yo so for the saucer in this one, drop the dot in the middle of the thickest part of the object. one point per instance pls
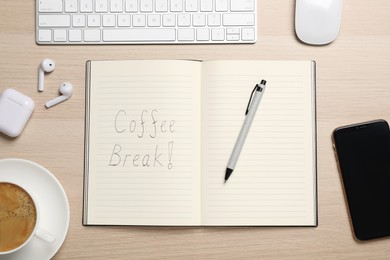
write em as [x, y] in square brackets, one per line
[52, 201]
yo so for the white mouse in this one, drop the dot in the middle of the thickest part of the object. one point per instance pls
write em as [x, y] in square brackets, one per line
[318, 21]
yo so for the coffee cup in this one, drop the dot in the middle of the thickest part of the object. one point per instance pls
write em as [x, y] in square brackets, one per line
[19, 219]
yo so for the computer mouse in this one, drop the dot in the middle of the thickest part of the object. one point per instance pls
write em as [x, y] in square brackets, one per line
[318, 22]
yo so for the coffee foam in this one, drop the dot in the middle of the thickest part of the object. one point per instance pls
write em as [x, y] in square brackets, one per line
[17, 216]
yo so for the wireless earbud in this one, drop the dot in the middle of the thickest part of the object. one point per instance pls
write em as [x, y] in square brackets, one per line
[47, 66]
[66, 90]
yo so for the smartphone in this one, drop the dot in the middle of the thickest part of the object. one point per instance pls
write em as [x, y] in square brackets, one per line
[363, 155]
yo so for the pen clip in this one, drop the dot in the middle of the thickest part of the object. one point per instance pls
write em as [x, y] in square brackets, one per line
[257, 87]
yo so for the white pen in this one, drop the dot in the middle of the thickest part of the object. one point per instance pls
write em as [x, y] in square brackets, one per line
[250, 115]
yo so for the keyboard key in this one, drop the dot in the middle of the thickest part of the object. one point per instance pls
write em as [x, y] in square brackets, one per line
[242, 5]
[176, 5]
[218, 34]
[206, 5]
[109, 20]
[78, 20]
[169, 20]
[146, 6]
[154, 20]
[54, 20]
[183, 19]
[101, 6]
[214, 19]
[139, 35]
[232, 31]
[232, 37]
[94, 20]
[50, 6]
[75, 35]
[161, 5]
[222, 5]
[44, 35]
[123, 20]
[116, 6]
[186, 34]
[71, 6]
[60, 35]
[131, 6]
[248, 34]
[191, 5]
[203, 34]
[92, 35]
[139, 20]
[199, 19]
[238, 19]
[86, 6]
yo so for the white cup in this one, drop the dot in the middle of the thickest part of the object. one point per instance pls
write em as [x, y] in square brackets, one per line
[37, 230]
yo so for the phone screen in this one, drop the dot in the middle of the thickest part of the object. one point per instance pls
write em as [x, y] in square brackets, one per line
[363, 152]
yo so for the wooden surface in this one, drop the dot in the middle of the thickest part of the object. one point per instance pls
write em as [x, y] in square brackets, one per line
[353, 85]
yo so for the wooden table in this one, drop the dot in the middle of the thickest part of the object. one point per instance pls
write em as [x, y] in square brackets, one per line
[353, 85]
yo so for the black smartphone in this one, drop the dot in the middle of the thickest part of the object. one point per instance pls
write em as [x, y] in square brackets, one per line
[363, 154]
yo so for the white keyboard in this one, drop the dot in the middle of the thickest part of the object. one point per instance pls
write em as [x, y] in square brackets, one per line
[145, 21]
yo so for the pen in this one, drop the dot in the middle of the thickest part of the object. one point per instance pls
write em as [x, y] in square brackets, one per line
[250, 115]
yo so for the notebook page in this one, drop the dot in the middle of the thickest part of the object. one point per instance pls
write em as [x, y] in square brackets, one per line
[144, 143]
[274, 179]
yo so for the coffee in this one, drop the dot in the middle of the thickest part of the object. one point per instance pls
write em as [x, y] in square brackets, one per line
[18, 216]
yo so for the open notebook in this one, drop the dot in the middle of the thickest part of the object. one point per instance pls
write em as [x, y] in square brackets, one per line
[159, 135]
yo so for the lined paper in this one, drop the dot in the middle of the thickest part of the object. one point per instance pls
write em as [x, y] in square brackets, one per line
[144, 143]
[274, 180]
[160, 133]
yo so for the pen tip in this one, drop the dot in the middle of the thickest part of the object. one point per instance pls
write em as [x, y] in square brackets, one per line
[263, 82]
[228, 173]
